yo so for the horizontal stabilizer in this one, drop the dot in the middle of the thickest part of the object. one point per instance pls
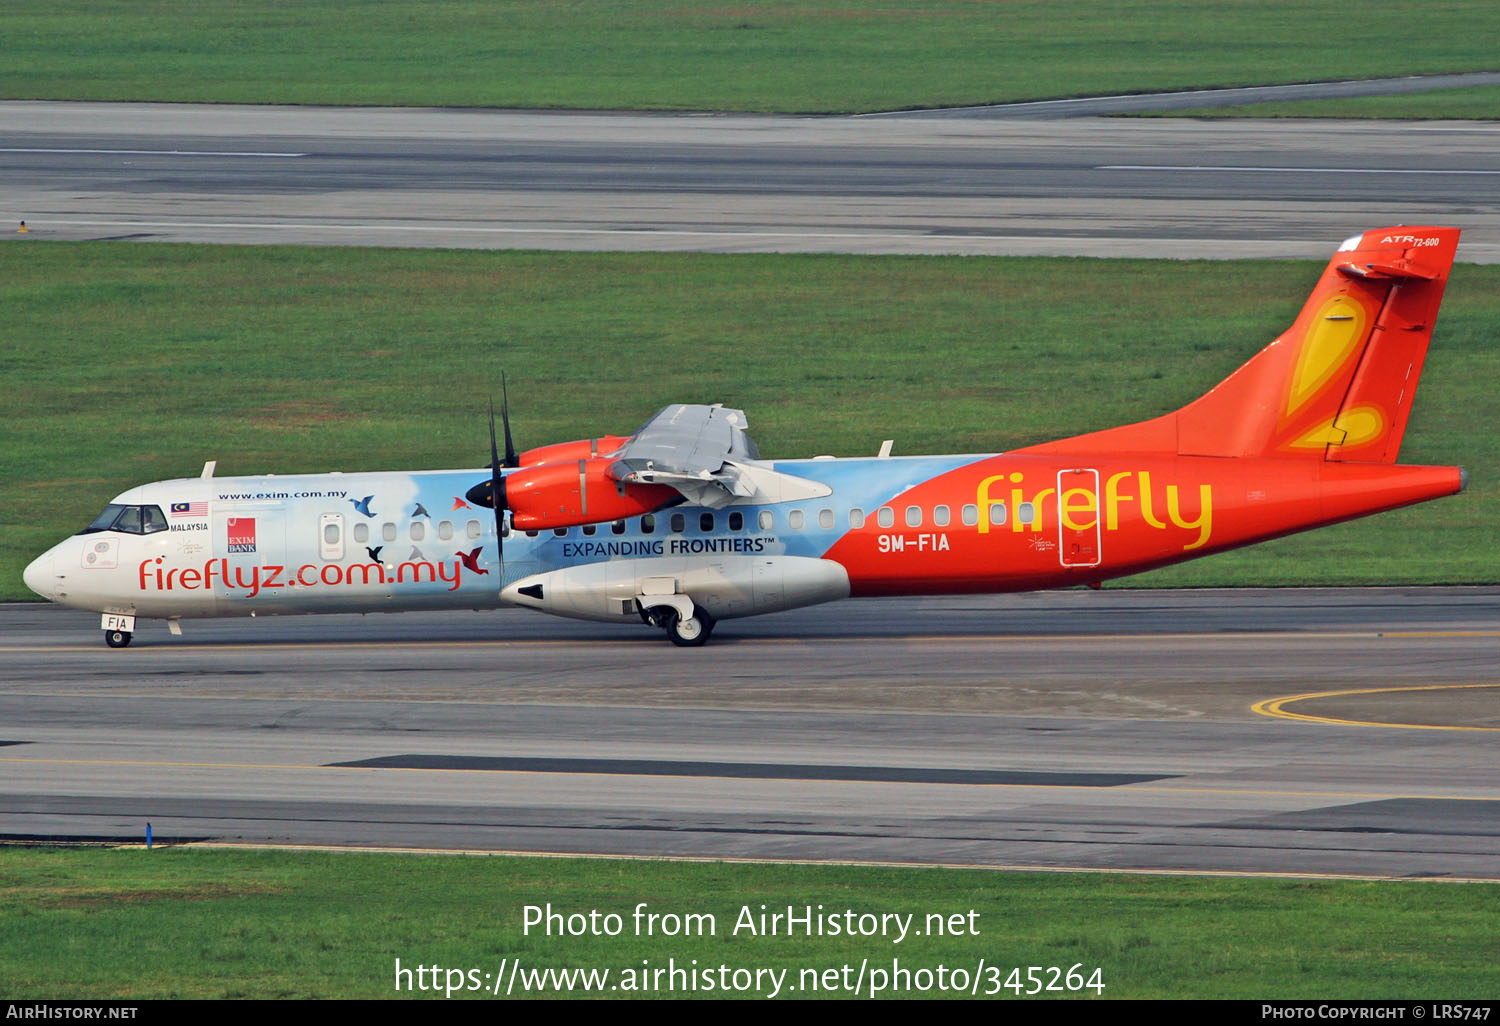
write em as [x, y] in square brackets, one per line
[1387, 269]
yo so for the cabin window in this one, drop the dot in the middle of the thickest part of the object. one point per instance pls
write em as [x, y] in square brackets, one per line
[971, 515]
[532, 534]
[473, 529]
[736, 521]
[679, 523]
[418, 530]
[914, 516]
[561, 532]
[794, 520]
[825, 519]
[767, 520]
[361, 533]
[648, 524]
[706, 522]
[588, 530]
[997, 513]
[886, 517]
[941, 516]
[388, 532]
[445, 530]
[1025, 513]
[331, 530]
[856, 518]
[618, 527]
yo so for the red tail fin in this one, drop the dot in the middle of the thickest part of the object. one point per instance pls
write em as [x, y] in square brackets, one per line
[1339, 384]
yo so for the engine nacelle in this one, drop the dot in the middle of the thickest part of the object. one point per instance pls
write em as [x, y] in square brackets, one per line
[576, 492]
[724, 586]
[568, 452]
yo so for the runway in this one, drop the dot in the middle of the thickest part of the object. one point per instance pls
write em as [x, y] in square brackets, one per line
[1109, 730]
[910, 184]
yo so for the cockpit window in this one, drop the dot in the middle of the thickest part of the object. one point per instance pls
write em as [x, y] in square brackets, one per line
[129, 520]
[104, 521]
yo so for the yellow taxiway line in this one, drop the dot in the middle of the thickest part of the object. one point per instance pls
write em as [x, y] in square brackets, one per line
[1276, 707]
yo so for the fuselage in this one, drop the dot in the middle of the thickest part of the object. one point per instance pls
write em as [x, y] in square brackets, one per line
[682, 524]
[390, 541]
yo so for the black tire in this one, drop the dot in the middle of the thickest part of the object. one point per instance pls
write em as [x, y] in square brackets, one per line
[689, 633]
[117, 639]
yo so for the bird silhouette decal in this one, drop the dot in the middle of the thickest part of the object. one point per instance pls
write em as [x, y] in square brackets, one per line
[460, 504]
[421, 511]
[471, 560]
[416, 554]
[363, 505]
[374, 553]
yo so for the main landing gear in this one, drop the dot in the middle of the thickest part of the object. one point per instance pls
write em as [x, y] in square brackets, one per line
[688, 631]
[117, 639]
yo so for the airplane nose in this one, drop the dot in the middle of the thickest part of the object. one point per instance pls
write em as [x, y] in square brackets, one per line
[39, 576]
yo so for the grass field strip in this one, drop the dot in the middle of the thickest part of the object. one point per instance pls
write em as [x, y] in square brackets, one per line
[444, 226]
[149, 153]
[1294, 170]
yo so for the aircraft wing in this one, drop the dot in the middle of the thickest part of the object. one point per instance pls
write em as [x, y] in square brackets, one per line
[687, 439]
[706, 453]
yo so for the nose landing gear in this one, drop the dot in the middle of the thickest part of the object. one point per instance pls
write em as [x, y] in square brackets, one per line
[117, 639]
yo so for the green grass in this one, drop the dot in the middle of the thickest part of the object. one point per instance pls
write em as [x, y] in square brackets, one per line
[125, 363]
[137, 924]
[763, 55]
[1481, 103]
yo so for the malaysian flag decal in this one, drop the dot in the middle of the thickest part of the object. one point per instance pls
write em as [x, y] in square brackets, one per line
[190, 509]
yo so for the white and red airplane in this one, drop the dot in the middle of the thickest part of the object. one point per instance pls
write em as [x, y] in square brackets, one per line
[683, 524]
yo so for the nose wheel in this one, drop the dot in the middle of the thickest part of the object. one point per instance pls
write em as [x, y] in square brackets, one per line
[117, 639]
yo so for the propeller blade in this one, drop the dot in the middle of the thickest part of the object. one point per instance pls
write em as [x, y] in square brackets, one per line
[494, 450]
[497, 490]
[511, 459]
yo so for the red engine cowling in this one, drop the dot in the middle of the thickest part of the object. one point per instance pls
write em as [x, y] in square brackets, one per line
[576, 492]
[565, 452]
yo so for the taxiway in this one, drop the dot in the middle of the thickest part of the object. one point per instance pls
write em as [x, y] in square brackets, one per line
[1062, 730]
